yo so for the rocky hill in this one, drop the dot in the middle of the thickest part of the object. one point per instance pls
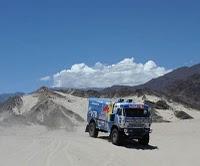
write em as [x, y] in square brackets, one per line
[181, 85]
[42, 107]
[163, 82]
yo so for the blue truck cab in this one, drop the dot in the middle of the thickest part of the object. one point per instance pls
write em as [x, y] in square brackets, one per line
[121, 119]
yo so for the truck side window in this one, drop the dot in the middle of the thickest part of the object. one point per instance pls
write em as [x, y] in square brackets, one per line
[119, 111]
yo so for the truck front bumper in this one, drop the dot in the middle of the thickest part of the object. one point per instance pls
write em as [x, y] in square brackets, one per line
[136, 132]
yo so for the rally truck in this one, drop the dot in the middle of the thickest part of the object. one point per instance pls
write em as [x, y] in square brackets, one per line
[122, 119]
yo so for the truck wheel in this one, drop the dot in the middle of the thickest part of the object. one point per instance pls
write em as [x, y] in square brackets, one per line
[115, 137]
[92, 130]
[144, 140]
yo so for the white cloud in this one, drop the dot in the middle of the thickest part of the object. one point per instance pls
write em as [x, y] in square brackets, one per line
[46, 78]
[125, 72]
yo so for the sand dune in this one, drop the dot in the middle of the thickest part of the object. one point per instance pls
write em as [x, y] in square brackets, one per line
[38, 133]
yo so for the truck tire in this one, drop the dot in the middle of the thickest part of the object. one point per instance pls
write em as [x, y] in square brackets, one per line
[144, 140]
[115, 137]
[93, 132]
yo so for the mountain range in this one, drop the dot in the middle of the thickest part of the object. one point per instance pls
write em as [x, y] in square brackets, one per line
[172, 96]
[181, 85]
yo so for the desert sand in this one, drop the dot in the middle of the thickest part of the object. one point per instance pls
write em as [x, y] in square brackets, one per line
[175, 143]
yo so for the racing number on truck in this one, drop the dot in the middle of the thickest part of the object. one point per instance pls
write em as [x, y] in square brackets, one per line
[93, 114]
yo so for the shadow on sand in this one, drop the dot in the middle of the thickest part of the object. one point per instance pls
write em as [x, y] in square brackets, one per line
[132, 144]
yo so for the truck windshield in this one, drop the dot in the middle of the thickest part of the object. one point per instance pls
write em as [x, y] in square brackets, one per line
[135, 112]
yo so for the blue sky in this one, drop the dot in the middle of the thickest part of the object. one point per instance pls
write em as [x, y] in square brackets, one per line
[40, 38]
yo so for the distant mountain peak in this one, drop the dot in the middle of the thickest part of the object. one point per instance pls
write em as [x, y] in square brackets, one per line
[43, 89]
[12, 102]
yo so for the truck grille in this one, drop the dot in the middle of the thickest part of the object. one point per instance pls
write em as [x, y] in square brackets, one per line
[135, 125]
